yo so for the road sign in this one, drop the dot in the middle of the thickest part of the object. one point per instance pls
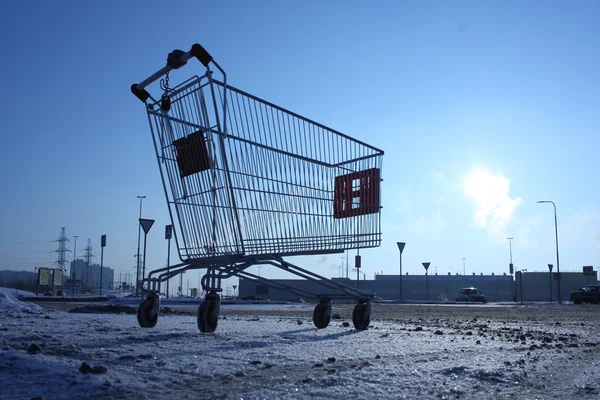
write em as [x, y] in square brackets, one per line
[146, 224]
[426, 265]
[357, 261]
[401, 246]
[103, 241]
[511, 268]
[550, 267]
[588, 270]
[168, 231]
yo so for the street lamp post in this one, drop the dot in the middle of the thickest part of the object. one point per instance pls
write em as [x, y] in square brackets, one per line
[74, 277]
[37, 279]
[556, 235]
[102, 245]
[168, 235]
[550, 273]
[521, 281]
[346, 254]
[137, 277]
[520, 272]
[511, 269]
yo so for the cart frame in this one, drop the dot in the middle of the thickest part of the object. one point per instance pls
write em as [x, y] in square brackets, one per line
[227, 217]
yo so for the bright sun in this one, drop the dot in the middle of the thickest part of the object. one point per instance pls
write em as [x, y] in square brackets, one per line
[486, 188]
[491, 194]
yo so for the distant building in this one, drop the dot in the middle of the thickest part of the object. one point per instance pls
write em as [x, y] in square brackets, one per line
[529, 286]
[17, 278]
[89, 276]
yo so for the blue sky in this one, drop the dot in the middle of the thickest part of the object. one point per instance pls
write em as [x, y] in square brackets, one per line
[482, 108]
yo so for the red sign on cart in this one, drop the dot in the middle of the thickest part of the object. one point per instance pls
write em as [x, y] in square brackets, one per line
[357, 193]
[192, 154]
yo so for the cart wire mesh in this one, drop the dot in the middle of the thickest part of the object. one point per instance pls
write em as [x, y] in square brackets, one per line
[257, 179]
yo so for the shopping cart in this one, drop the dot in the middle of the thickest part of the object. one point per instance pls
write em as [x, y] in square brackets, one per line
[249, 183]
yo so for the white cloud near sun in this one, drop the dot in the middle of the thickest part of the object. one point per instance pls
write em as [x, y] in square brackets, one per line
[494, 206]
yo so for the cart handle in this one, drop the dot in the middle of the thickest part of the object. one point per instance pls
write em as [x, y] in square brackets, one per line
[175, 60]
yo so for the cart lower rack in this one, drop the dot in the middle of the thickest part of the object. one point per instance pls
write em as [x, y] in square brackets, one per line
[248, 183]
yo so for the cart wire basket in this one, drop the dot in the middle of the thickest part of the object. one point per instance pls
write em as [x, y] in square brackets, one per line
[248, 183]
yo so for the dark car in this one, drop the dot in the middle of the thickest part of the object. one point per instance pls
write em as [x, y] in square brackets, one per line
[253, 298]
[586, 294]
[470, 294]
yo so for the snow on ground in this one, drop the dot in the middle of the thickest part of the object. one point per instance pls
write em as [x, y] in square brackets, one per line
[8, 301]
[255, 353]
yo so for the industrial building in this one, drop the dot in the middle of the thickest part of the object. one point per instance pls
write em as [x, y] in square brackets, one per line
[525, 286]
[87, 275]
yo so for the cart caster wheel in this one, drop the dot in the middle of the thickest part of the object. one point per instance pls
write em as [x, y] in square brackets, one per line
[208, 313]
[361, 316]
[322, 314]
[147, 312]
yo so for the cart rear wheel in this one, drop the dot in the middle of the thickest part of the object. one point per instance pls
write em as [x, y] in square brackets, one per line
[146, 317]
[322, 314]
[208, 313]
[361, 316]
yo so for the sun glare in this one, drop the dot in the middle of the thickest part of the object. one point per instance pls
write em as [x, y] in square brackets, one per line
[486, 188]
[491, 195]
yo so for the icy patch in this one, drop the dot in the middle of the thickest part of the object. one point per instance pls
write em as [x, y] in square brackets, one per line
[53, 378]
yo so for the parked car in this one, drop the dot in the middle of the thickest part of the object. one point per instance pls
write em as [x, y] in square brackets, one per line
[586, 294]
[253, 298]
[470, 294]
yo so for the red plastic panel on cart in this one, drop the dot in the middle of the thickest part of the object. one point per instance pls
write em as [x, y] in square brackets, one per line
[357, 194]
[192, 154]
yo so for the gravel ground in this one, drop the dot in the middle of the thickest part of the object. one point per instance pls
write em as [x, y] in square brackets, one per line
[409, 351]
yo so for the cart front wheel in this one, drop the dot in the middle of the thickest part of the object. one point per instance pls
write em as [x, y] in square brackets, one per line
[361, 316]
[147, 312]
[322, 314]
[208, 313]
